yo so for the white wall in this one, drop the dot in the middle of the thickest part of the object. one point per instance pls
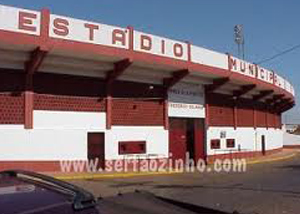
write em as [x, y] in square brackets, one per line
[69, 120]
[16, 143]
[291, 139]
[156, 140]
[59, 135]
[248, 138]
[274, 138]
[56, 136]
[21, 144]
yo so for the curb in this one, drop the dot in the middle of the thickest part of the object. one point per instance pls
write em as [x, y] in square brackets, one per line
[116, 175]
[273, 159]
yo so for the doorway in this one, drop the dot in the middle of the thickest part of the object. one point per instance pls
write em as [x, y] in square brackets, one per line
[190, 135]
[186, 135]
[263, 145]
[96, 148]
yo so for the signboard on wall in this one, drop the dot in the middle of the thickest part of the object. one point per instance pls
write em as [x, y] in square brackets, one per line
[186, 100]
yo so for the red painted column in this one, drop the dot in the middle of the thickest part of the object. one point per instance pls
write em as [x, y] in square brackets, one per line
[280, 120]
[166, 109]
[267, 118]
[108, 107]
[32, 66]
[45, 23]
[207, 117]
[235, 115]
[29, 102]
[254, 118]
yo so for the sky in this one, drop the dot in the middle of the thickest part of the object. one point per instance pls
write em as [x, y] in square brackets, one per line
[270, 26]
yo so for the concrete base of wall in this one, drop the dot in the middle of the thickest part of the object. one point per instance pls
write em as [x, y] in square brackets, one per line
[238, 155]
[38, 166]
[116, 166]
[75, 166]
[291, 146]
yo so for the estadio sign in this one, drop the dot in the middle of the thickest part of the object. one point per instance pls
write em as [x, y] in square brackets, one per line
[186, 100]
[60, 27]
[89, 32]
[160, 46]
[22, 21]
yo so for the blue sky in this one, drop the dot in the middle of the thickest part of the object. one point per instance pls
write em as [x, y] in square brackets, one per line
[270, 26]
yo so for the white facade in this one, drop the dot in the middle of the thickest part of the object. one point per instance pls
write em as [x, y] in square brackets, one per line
[157, 143]
[56, 136]
[208, 57]
[247, 139]
[71, 143]
[69, 120]
[60, 135]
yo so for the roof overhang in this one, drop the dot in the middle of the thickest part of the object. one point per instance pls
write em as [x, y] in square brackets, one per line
[81, 47]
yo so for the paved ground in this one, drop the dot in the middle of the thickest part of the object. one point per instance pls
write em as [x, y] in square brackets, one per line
[267, 188]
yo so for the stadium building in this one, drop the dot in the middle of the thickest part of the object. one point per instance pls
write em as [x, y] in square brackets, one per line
[72, 89]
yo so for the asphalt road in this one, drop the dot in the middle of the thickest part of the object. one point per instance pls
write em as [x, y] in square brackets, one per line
[268, 188]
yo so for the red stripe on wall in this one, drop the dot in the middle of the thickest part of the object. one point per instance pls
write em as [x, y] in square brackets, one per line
[38, 166]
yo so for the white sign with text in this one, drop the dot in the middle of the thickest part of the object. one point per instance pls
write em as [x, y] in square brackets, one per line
[186, 100]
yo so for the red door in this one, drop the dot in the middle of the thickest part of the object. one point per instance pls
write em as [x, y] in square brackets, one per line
[177, 138]
[96, 149]
[199, 139]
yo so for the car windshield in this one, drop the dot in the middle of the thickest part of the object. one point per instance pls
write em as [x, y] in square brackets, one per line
[23, 195]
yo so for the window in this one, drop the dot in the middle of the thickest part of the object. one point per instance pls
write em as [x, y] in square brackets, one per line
[132, 147]
[215, 144]
[230, 143]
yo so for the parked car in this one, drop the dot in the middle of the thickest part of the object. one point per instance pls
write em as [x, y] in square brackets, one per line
[28, 192]
[23, 192]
